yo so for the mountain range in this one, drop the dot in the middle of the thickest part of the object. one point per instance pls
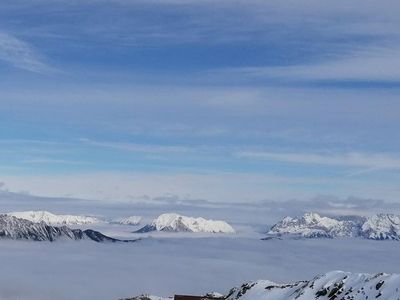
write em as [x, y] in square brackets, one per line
[21, 229]
[132, 220]
[49, 218]
[172, 222]
[312, 225]
[53, 219]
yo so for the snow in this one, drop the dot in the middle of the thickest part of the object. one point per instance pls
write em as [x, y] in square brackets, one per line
[311, 225]
[20, 229]
[178, 223]
[382, 227]
[132, 220]
[53, 219]
[331, 285]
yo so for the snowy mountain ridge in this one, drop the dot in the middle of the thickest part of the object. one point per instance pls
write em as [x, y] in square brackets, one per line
[332, 285]
[177, 223]
[382, 227]
[53, 219]
[132, 220]
[312, 225]
[21, 229]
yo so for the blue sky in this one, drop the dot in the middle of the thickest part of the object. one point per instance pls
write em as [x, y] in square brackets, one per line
[224, 101]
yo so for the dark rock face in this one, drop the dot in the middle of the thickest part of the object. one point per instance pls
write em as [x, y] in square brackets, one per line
[99, 237]
[20, 229]
[146, 228]
[180, 227]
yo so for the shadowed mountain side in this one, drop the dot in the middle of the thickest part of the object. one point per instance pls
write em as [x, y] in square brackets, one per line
[20, 229]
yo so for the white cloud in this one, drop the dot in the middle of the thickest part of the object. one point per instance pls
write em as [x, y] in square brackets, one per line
[21, 54]
[353, 159]
[131, 186]
[53, 161]
[132, 147]
[371, 64]
[213, 186]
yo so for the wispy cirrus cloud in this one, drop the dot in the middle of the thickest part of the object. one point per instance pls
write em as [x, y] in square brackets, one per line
[53, 161]
[379, 64]
[21, 54]
[353, 159]
[132, 147]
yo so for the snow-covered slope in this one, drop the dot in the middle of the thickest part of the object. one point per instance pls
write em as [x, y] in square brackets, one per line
[333, 285]
[132, 220]
[177, 223]
[20, 229]
[312, 225]
[382, 227]
[52, 219]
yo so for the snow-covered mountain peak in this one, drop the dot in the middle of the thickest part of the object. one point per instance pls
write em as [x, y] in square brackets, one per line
[314, 218]
[377, 227]
[332, 285]
[21, 229]
[53, 219]
[312, 225]
[131, 220]
[311, 217]
[178, 223]
[382, 227]
[167, 220]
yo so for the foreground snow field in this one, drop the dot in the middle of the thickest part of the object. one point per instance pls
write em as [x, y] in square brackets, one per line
[330, 286]
[86, 270]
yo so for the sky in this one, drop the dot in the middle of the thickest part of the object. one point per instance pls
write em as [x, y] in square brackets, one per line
[228, 101]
